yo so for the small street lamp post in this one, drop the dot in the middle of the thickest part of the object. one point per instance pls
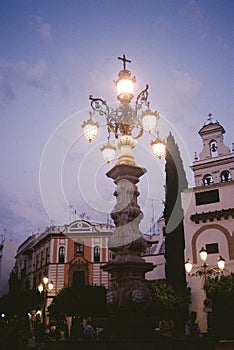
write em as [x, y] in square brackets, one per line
[44, 287]
[205, 271]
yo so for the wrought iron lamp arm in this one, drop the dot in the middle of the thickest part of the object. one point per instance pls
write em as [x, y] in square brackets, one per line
[99, 105]
[127, 122]
[123, 119]
[205, 271]
[142, 98]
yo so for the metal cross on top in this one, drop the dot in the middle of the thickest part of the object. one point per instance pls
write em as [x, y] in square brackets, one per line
[124, 59]
[210, 117]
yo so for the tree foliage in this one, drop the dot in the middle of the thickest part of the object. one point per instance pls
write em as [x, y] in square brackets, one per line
[87, 301]
[221, 292]
[223, 286]
[176, 182]
[166, 301]
[19, 303]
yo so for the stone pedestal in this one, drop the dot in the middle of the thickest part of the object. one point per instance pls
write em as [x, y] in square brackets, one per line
[128, 295]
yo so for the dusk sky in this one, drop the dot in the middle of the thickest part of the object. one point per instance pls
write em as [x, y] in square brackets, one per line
[55, 53]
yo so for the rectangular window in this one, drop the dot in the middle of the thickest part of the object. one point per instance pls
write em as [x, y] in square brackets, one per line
[79, 248]
[96, 253]
[212, 248]
[207, 197]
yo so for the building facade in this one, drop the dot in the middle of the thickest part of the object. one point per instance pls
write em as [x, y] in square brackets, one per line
[209, 211]
[69, 255]
[155, 253]
[7, 260]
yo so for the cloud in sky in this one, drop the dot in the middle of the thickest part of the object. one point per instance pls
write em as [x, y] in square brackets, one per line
[11, 221]
[19, 216]
[185, 86]
[52, 60]
[21, 72]
[6, 91]
[43, 28]
[193, 11]
[183, 92]
[164, 28]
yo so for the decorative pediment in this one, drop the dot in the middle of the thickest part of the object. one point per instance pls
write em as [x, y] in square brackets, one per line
[80, 226]
[80, 229]
[78, 260]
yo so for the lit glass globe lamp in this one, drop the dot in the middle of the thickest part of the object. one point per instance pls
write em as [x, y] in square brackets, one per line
[125, 122]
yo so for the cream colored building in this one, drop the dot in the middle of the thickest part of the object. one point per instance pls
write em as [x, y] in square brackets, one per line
[209, 211]
[69, 255]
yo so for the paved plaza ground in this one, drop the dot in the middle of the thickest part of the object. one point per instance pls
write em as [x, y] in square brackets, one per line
[154, 344]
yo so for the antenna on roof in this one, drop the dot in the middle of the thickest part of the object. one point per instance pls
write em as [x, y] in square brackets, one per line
[4, 235]
[72, 213]
[82, 215]
[152, 219]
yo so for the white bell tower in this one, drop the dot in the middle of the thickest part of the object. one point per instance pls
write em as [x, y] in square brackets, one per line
[213, 164]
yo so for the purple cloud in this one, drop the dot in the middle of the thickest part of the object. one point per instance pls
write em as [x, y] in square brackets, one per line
[43, 28]
[21, 72]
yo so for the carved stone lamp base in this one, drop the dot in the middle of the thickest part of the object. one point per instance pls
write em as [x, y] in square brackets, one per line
[128, 296]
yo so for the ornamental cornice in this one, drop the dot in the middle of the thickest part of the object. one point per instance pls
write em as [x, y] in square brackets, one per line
[215, 185]
[207, 163]
[211, 215]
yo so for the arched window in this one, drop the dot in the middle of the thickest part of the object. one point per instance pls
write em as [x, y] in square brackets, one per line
[47, 255]
[42, 258]
[207, 180]
[61, 257]
[39, 277]
[27, 284]
[34, 282]
[213, 148]
[37, 261]
[225, 176]
[96, 253]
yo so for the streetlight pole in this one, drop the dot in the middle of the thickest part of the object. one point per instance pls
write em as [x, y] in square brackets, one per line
[126, 123]
[44, 287]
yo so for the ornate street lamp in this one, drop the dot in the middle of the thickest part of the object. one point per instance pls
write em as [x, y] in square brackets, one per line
[205, 270]
[44, 288]
[90, 128]
[108, 151]
[159, 147]
[128, 288]
[126, 122]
